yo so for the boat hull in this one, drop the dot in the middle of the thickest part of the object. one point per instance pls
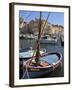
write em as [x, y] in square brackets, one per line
[45, 41]
[39, 71]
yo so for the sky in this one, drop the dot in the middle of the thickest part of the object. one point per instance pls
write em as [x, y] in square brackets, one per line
[56, 18]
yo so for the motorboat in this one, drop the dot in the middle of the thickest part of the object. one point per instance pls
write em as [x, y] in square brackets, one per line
[47, 39]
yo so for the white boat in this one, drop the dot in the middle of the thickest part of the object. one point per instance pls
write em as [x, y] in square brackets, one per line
[46, 39]
[27, 53]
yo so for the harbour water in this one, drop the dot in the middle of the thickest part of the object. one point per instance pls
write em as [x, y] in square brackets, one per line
[24, 43]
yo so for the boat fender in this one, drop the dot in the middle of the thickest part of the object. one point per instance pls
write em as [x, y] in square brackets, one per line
[33, 61]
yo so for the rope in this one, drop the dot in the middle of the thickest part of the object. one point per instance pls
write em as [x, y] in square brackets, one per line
[53, 67]
[41, 35]
[45, 24]
[28, 16]
[26, 71]
[61, 65]
[35, 50]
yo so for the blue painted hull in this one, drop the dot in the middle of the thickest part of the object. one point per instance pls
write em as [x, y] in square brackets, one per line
[33, 74]
[39, 71]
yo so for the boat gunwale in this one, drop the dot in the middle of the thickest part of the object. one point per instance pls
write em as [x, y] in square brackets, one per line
[50, 65]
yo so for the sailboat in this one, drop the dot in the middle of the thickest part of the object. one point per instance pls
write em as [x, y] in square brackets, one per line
[40, 64]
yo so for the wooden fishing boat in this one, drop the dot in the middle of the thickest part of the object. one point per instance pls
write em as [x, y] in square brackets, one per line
[40, 64]
[31, 69]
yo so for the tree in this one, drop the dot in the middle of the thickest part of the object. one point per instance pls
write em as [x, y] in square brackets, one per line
[21, 22]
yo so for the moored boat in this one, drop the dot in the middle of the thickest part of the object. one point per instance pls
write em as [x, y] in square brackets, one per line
[31, 69]
[27, 53]
[48, 40]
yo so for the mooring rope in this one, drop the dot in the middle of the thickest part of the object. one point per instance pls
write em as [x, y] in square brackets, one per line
[26, 70]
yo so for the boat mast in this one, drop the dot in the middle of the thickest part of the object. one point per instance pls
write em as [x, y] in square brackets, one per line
[38, 43]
